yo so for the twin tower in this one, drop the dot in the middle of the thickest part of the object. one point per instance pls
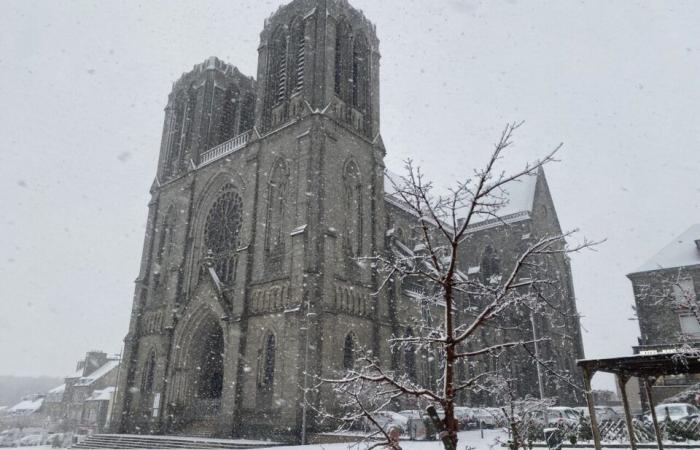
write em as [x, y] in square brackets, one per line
[267, 191]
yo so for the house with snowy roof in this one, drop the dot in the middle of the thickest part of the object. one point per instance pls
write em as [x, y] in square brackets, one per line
[82, 402]
[666, 302]
[27, 413]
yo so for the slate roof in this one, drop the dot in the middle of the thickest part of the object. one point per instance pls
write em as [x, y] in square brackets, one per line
[681, 252]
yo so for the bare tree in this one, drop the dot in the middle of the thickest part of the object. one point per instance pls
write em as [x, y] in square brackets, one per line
[459, 306]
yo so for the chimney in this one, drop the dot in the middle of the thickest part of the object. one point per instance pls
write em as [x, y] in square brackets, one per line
[93, 361]
[697, 243]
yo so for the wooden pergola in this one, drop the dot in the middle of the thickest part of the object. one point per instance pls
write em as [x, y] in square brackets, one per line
[645, 367]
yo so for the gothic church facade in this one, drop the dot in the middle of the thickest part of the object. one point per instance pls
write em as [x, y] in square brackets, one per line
[267, 190]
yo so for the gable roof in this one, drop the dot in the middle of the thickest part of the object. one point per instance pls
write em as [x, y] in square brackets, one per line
[519, 196]
[98, 374]
[681, 252]
[26, 407]
[102, 395]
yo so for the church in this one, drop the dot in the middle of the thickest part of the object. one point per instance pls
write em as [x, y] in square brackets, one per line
[267, 191]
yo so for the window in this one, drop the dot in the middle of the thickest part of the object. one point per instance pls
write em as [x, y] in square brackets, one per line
[149, 374]
[360, 73]
[689, 325]
[490, 266]
[353, 209]
[342, 49]
[230, 109]
[349, 352]
[684, 292]
[278, 67]
[298, 55]
[181, 118]
[221, 233]
[276, 208]
[410, 356]
[268, 373]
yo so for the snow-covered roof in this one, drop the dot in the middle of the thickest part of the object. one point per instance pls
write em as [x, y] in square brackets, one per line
[77, 374]
[26, 407]
[682, 251]
[520, 199]
[102, 394]
[519, 195]
[99, 373]
[58, 390]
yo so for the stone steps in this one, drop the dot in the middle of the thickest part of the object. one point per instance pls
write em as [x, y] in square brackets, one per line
[120, 441]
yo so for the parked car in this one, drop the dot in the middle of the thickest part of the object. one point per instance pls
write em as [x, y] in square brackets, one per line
[7, 439]
[386, 419]
[485, 418]
[558, 416]
[466, 417]
[498, 415]
[674, 411]
[602, 413]
[30, 441]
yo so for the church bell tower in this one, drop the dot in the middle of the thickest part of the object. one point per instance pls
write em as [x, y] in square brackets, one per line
[319, 55]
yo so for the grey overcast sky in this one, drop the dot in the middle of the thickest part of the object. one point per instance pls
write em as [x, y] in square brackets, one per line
[83, 85]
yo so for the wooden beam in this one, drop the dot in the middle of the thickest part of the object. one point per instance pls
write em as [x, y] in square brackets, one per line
[587, 375]
[622, 384]
[657, 431]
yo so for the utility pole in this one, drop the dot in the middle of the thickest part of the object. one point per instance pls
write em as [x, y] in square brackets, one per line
[537, 355]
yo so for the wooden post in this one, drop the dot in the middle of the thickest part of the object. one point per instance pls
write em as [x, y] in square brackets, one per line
[622, 384]
[587, 375]
[659, 438]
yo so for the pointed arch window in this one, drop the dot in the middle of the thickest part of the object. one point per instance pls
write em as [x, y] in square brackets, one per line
[276, 207]
[267, 376]
[490, 266]
[247, 113]
[181, 118]
[166, 241]
[342, 59]
[149, 371]
[221, 233]
[278, 67]
[353, 209]
[349, 352]
[298, 49]
[410, 356]
[229, 113]
[360, 73]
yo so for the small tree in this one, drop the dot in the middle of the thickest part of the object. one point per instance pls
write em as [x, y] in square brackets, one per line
[464, 305]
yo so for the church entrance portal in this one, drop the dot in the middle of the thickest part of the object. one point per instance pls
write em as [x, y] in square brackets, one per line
[202, 365]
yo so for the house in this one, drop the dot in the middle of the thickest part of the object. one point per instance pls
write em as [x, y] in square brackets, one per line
[665, 294]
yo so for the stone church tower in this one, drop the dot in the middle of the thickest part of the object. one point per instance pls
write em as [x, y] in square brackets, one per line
[266, 192]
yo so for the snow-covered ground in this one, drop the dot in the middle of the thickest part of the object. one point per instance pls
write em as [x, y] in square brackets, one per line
[466, 438]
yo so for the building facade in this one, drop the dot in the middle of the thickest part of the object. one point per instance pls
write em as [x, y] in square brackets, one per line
[267, 192]
[665, 294]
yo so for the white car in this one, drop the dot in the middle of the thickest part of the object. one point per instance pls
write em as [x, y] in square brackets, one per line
[602, 413]
[558, 415]
[675, 411]
[386, 419]
[31, 441]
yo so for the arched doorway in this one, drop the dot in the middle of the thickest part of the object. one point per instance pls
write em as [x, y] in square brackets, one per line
[207, 357]
[197, 386]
